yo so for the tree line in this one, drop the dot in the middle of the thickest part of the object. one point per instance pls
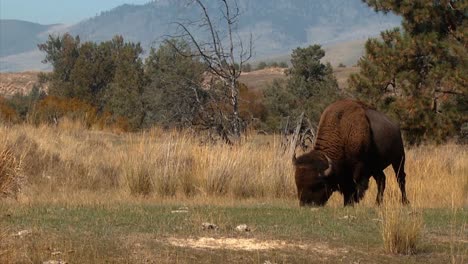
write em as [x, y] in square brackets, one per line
[417, 74]
[109, 82]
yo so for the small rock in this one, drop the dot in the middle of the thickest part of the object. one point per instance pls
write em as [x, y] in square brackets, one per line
[209, 226]
[54, 262]
[23, 233]
[348, 217]
[180, 210]
[243, 228]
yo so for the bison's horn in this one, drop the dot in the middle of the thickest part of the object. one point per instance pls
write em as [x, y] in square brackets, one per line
[294, 160]
[329, 170]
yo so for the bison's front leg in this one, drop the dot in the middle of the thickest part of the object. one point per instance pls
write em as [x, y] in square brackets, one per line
[357, 186]
[380, 179]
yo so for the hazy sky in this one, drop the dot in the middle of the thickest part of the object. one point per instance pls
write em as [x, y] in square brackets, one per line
[57, 11]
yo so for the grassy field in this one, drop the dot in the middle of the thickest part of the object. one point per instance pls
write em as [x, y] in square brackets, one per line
[260, 79]
[99, 197]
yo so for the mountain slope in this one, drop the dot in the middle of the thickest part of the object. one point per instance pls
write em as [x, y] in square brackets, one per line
[18, 36]
[277, 27]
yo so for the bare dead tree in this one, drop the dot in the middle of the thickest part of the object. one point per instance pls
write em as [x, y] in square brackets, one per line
[222, 50]
[301, 135]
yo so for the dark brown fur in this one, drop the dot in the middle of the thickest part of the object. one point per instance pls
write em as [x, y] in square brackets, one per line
[356, 142]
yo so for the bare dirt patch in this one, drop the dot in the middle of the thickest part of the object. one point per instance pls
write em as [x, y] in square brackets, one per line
[251, 244]
[449, 239]
[261, 78]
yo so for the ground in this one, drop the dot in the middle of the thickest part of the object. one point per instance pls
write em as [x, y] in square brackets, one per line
[172, 232]
[159, 196]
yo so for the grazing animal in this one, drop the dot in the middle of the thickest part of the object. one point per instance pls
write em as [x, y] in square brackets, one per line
[353, 143]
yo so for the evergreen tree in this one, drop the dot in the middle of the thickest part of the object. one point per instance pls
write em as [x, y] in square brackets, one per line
[92, 73]
[419, 75]
[62, 53]
[311, 86]
[174, 95]
[109, 76]
[124, 97]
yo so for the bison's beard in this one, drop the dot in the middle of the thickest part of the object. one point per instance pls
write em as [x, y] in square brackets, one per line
[315, 197]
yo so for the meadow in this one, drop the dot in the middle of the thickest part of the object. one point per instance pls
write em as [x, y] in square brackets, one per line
[85, 196]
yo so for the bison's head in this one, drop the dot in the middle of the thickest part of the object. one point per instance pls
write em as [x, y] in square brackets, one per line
[312, 174]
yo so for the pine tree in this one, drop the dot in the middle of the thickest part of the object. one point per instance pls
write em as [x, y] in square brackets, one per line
[420, 74]
[124, 97]
[174, 95]
[310, 87]
[62, 53]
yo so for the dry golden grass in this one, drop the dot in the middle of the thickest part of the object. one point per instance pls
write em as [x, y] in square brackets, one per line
[401, 228]
[158, 164]
[10, 172]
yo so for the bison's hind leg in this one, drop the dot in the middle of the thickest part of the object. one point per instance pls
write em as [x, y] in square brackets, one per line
[399, 168]
[380, 179]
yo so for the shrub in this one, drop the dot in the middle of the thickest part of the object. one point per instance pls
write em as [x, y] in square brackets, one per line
[52, 109]
[7, 113]
[283, 65]
[262, 65]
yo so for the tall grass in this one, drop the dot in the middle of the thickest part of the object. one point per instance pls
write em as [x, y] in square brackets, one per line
[61, 163]
[10, 172]
[401, 227]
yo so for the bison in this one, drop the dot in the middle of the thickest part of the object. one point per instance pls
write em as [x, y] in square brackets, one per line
[353, 143]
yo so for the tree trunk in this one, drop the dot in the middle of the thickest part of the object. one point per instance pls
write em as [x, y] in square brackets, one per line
[235, 108]
[295, 137]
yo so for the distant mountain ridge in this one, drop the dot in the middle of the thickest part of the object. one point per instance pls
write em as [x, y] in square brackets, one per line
[278, 26]
[18, 36]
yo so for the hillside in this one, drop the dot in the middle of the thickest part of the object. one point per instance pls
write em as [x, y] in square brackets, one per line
[277, 26]
[18, 36]
[22, 82]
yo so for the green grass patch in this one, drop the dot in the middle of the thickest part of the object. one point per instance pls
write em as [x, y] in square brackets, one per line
[136, 233]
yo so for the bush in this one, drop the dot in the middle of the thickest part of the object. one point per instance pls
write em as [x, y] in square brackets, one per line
[52, 109]
[24, 104]
[262, 65]
[7, 113]
[247, 67]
